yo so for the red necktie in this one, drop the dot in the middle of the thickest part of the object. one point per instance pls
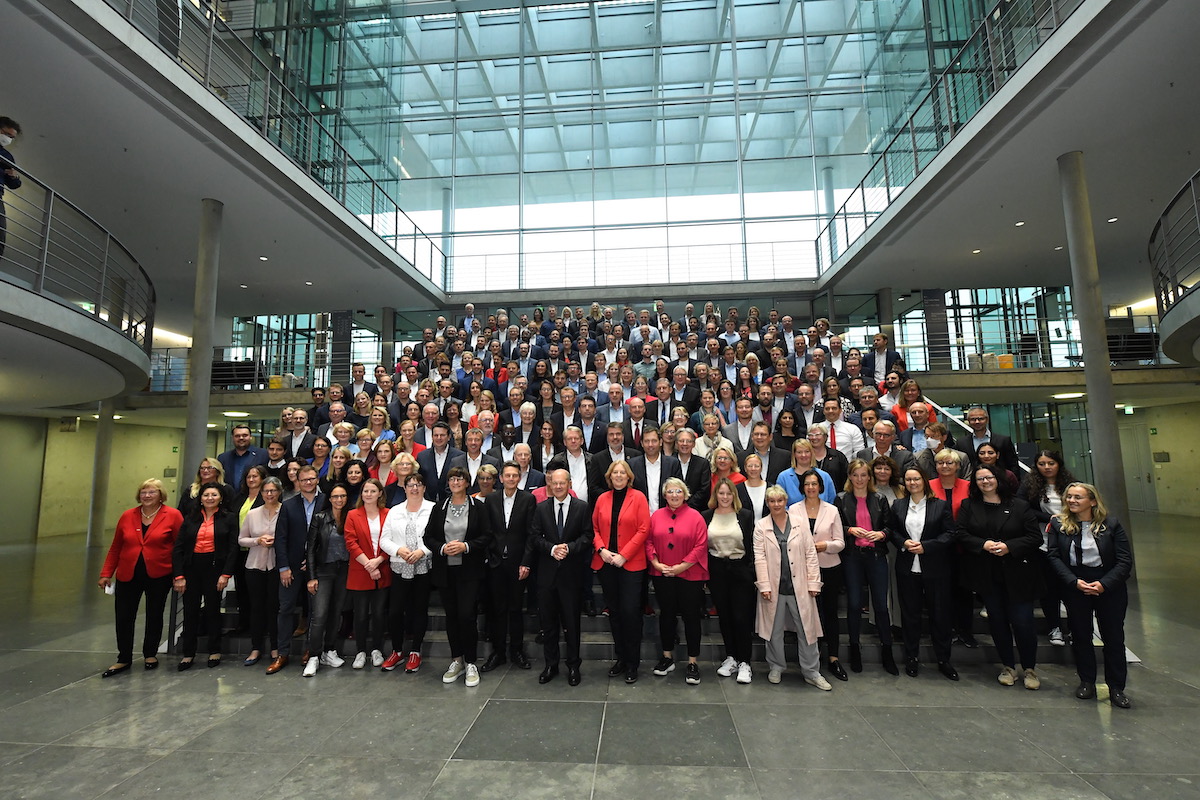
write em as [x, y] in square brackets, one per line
[832, 436]
[637, 435]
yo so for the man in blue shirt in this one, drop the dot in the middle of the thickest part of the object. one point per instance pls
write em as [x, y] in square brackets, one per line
[241, 457]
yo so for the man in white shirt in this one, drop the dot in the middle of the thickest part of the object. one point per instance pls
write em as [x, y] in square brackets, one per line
[652, 468]
[487, 424]
[474, 457]
[740, 429]
[807, 412]
[578, 464]
[891, 383]
[589, 424]
[616, 404]
[695, 471]
[847, 439]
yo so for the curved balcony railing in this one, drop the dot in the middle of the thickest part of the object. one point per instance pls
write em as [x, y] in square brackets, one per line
[57, 250]
[1008, 36]
[200, 41]
[1174, 247]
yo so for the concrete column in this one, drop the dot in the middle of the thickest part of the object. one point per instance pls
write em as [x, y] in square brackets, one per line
[1105, 439]
[101, 463]
[387, 338]
[204, 314]
[887, 315]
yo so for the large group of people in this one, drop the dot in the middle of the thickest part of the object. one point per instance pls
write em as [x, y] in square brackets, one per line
[729, 465]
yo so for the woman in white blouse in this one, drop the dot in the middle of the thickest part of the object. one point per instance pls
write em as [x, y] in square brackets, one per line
[402, 540]
[262, 579]
[752, 493]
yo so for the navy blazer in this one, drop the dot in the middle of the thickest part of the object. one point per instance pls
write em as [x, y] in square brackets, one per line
[1116, 556]
[512, 535]
[291, 532]
[437, 487]
[543, 535]
[668, 468]
[938, 536]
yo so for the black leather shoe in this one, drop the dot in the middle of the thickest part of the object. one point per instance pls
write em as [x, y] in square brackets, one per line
[888, 660]
[968, 641]
[631, 675]
[911, 668]
[1086, 691]
[184, 666]
[589, 609]
[493, 661]
[855, 658]
[617, 669]
[838, 671]
[214, 662]
[1119, 700]
[947, 669]
[573, 676]
[115, 670]
[149, 665]
[520, 659]
[548, 674]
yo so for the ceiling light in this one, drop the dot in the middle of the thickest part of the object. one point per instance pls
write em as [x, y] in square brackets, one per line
[1020, 224]
[262, 258]
[235, 414]
[212, 424]
[1059, 247]
[1067, 395]
[1119, 405]
[1129, 411]
[308, 283]
[1112, 219]
[115, 416]
[244, 286]
[976, 252]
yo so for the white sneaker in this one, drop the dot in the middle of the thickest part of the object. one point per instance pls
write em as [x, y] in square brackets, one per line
[360, 661]
[330, 658]
[310, 668]
[819, 681]
[376, 659]
[745, 675]
[1057, 639]
[728, 667]
[472, 675]
[775, 676]
[452, 672]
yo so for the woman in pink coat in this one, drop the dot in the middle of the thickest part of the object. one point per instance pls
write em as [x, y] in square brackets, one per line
[788, 578]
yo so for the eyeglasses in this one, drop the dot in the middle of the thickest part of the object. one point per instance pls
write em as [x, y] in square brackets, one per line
[308, 480]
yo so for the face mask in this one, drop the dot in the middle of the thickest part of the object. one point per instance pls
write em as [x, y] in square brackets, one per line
[5, 140]
[934, 444]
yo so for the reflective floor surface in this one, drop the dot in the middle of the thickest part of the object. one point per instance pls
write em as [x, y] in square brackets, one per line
[236, 732]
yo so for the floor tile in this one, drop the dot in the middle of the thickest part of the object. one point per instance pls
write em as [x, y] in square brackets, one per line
[52, 716]
[386, 777]
[670, 688]
[521, 684]
[1140, 786]
[534, 730]
[80, 773]
[1006, 786]
[404, 728]
[504, 780]
[683, 735]
[290, 727]
[792, 737]
[858, 783]
[158, 722]
[181, 774]
[625, 781]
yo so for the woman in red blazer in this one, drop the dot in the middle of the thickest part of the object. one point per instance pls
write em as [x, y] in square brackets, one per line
[140, 560]
[620, 524]
[368, 578]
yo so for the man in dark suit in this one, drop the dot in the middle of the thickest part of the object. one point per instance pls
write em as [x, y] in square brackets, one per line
[635, 422]
[435, 461]
[883, 437]
[658, 410]
[291, 537]
[240, 457]
[560, 543]
[474, 457]
[880, 361]
[587, 481]
[615, 451]
[682, 391]
[299, 440]
[774, 459]
[653, 462]
[591, 425]
[695, 471]
[980, 422]
[359, 382]
[509, 513]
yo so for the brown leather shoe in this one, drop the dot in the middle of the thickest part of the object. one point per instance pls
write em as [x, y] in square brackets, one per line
[278, 664]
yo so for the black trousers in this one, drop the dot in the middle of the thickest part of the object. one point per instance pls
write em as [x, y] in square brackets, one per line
[1010, 619]
[931, 592]
[129, 597]
[327, 606]
[623, 595]
[262, 597]
[733, 593]
[832, 581]
[408, 611]
[1109, 609]
[370, 612]
[201, 575]
[506, 624]
[460, 597]
[679, 598]
[559, 608]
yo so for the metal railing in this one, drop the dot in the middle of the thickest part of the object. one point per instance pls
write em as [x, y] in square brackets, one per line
[1174, 247]
[203, 44]
[233, 368]
[58, 251]
[1007, 38]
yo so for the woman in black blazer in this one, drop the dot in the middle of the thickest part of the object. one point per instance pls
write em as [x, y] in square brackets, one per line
[203, 560]
[1090, 553]
[1000, 539]
[924, 541]
[864, 518]
[731, 576]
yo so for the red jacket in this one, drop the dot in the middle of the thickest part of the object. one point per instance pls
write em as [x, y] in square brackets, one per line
[633, 526]
[358, 541]
[128, 544]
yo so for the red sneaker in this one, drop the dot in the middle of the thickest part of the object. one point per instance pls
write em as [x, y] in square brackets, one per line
[392, 661]
[414, 662]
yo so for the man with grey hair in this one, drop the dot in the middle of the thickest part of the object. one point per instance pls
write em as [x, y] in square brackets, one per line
[884, 443]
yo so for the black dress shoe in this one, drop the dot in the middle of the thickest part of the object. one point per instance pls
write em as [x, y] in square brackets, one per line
[589, 608]
[910, 667]
[520, 659]
[184, 666]
[968, 641]
[631, 675]
[947, 669]
[1119, 700]
[149, 665]
[493, 661]
[573, 676]
[116, 670]
[1086, 691]
[838, 671]
[855, 658]
[548, 674]
[214, 662]
[617, 669]
[888, 660]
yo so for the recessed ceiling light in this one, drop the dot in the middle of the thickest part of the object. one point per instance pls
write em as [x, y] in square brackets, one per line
[244, 286]
[1020, 224]
[1059, 247]
[1112, 219]
[976, 252]
[212, 424]
[262, 258]
[235, 414]
[1067, 395]
[308, 283]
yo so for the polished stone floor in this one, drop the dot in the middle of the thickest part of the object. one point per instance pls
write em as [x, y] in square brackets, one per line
[235, 732]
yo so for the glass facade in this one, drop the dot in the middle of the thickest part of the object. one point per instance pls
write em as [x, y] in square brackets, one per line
[591, 143]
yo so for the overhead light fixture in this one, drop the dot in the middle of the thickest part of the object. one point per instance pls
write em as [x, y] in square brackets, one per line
[1067, 395]
[212, 424]
[235, 414]
[1119, 405]
[1058, 248]
[976, 252]
[244, 286]
[1112, 219]
[308, 283]
[1020, 224]
[262, 258]
[115, 416]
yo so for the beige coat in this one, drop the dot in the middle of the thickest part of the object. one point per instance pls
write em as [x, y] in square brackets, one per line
[806, 574]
